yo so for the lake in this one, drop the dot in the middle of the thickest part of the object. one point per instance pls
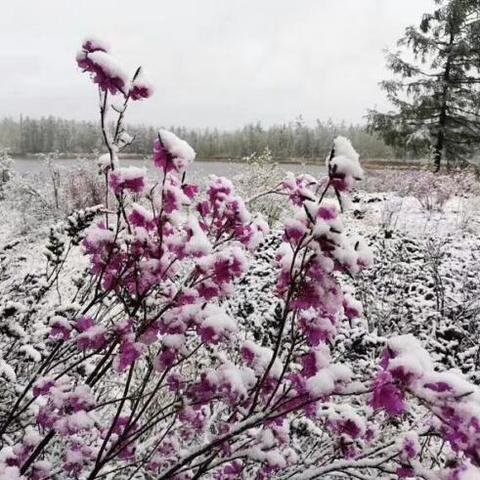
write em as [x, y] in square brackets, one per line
[199, 169]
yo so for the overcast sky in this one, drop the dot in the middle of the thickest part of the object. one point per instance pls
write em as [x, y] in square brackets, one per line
[213, 62]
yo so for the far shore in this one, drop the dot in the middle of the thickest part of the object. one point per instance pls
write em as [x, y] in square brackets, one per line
[373, 164]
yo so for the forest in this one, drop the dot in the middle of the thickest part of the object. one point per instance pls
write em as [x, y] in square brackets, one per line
[294, 140]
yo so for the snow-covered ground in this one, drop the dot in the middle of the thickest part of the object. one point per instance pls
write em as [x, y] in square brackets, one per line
[424, 280]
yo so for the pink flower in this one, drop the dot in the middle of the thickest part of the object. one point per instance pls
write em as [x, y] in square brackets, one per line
[349, 428]
[94, 45]
[130, 178]
[209, 335]
[129, 353]
[162, 157]
[165, 359]
[76, 458]
[84, 323]
[43, 387]
[203, 391]
[46, 418]
[386, 396]
[175, 382]
[141, 88]
[104, 69]
[140, 91]
[80, 399]
[327, 213]
[171, 153]
[41, 470]
[141, 217]
[60, 329]
[91, 336]
[310, 365]
[405, 472]
[191, 191]
[172, 199]
[439, 387]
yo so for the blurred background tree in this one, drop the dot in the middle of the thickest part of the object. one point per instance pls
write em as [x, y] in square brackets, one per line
[435, 92]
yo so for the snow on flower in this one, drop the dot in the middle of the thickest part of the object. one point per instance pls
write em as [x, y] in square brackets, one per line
[344, 168]
[130, 352]
[106, 71]
[93, 44]
[129, 178]
[171, 153]
[406, 359]
[141, 217]
[11, 473]
[346, 422]
[141, 88]
[91, 335]
[60, 328]
[215, 324]
[74, 423]
[387, 396]
[259, 358]
[409, 445]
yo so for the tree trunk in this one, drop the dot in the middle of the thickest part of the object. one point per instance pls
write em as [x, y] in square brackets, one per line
[442, 120]
[438, 149]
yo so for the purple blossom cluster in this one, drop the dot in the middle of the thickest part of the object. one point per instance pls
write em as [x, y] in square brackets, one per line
[95, 59]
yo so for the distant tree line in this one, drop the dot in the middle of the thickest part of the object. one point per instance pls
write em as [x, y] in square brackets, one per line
[285, 141]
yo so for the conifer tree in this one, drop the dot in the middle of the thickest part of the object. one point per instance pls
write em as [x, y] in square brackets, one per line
[435, 92]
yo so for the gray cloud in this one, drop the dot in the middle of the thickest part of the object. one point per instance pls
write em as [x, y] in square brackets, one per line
[213, 62]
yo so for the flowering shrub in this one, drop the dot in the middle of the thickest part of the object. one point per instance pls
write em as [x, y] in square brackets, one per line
[144, 374]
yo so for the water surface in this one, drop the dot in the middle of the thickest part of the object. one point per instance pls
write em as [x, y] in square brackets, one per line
[199, 169]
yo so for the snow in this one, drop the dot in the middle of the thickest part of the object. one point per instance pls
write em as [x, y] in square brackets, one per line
[469, 473]
[262, 357]
[141, 82]
[254, 309]
[178, 148]
[11, 473]
[31, 436]
[104, 162]
[57, 320]
[7, 371]
[109, 65]
[198, 244]
[131, 173]
[214, 317]
[97, 235]
[74, 422]
[320, 384]
[343, 147]
[175, 341]
[140, 209]
[31, 353]
[343, 413]
[238, 379]
[409, 354]
[346, 159]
